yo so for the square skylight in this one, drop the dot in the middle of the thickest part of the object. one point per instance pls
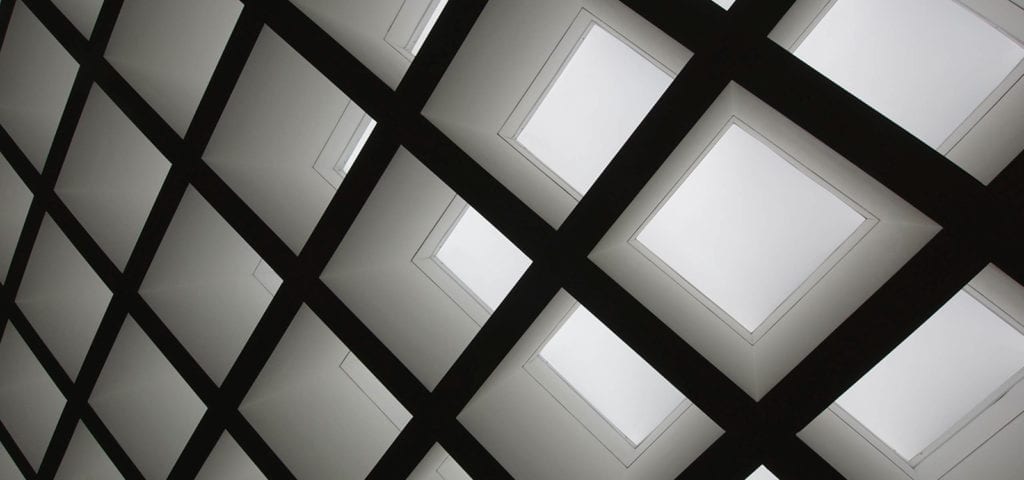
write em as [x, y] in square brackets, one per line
[433, 13]
[601, 93]
[960, 360]
[486, 263]
[747, 228]
[958, 60]
[624, 389]
[725, 3]
[412, 25]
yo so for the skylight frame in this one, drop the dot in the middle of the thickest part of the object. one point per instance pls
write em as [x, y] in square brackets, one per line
[921, 466]
[445, 279]
[342, 147]
[545, 80]
[602, 429]
[412, 25]
[865, 227]
[793, 30]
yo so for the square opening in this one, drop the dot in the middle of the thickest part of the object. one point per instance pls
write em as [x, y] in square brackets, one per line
[585, 103]
[85, 458]
[16, 199]
[413, 24]
[943, 401]
[572, 400]
[62, 297]
[958, 362]
[36, 75]
[207, 285]
[286, 139]
[111, 177]
[145, 403]
[323, 421]
[779, 201]
[747, 227]
[523, 62]
[229, 462]
[960, 90]
[387, 272]
[471, 260]
[168, 50]
[610, 376]
[30, 403]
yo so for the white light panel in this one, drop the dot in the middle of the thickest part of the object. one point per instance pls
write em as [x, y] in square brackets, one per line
[602, 93]
[479, 256]
[925, 64]
[747, 228]
[762, 473]
[725, 4]
[610, 376]
[945, 369]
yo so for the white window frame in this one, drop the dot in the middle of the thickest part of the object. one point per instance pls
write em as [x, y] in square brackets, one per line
[409, 25]
[579, 408]
[870, 220]
[353, 123]
[546, 78]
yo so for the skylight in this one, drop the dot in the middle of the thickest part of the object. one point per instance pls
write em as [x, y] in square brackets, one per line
[610, 376]
[423, 30]
[762, 473]
[746, 228]
[342, 146]
[725, 4]
[600, 96]
[481, 258]
[964, 354]
[958, 60]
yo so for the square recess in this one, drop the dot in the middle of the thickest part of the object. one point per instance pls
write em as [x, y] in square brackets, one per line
[62, 297]
[111, 177]
[168, 49]
[762, 214]
[524, 63]
[16, 199]
[471, 260]
[438, 465]
[585, 103]
[322, 420]
[145, 403]
[207, 285]
[85, 459]
[286, 139]
[748, 229]
[385, 270]
[413, 24]
[959, 91]
[538, 425]
[30, 404]
[606, 385]
[938, 397]
[36, 75]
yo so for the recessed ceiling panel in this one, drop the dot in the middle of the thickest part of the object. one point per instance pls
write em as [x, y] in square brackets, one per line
[746, 227]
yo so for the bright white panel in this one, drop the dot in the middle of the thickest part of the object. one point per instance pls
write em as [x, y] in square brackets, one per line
[925, 64]
[762, 473]
[479, 256]
[609, 375]
[746, 227]
[726, 4]
[947, 367]
[598, 99]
